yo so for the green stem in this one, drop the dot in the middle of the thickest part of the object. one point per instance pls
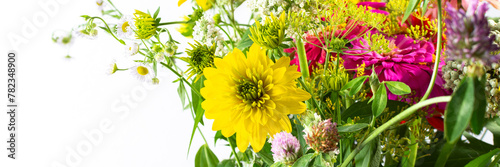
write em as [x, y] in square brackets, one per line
[115, 8]
[301, 52]
[409, 111]
[234, 153]
[445, 153]
[228, 36]
[184, 79]
[173, 22]
[111, 32]
[438, 54]
[413, 140]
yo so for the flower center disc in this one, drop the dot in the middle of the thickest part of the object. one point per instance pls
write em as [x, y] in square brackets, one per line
[251, 93]
[142, 70]
[124, 26]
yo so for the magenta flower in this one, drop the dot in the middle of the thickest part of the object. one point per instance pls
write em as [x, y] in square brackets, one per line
[316, 55]
[285, 148]
[408, 62]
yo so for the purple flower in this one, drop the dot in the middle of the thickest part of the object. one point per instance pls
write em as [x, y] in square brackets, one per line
[285, 148]
[469, 35]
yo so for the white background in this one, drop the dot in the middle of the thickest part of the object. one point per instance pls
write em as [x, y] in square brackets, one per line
[59, 99]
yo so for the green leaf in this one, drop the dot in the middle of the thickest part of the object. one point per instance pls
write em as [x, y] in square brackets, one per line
[462, 154]
[199, 112]
[459, 110]
[245, 41]
[355, 85]
[304, 160]
[494, 127]
[205, 157]
[318, 161]
[410, 8]
[364, 157]
[278, 164]
[266, 154]
[156, 13]
[398, 88]
[352, 128]
[477, 121]
[425, 5]
[181, 90]
[218, 135]
[379, 101]
[227, 163]
[484, 159]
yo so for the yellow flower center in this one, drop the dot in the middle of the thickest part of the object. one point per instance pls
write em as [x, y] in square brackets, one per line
[142, 70]
[252, 93]
[124, 26]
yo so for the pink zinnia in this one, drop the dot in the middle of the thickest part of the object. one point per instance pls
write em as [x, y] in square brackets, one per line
[406, 63]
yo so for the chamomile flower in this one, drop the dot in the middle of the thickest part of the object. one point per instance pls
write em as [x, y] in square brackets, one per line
[131, 49]
[142, 72]
[112, 68]
[124, 27]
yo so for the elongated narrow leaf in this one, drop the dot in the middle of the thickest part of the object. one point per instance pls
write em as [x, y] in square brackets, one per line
[318, 161]
[156, 12]
[477, 121]
[380, 100]
[245, 41]
[459, 110]
[304, 160]
[205, 157]
[355, 85]
[352, 128]
[410, 8]
[484, 159]
[398, 88]
[266, 154]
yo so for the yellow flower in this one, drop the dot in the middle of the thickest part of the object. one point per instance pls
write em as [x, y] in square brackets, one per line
[205, 4]
[252, 96]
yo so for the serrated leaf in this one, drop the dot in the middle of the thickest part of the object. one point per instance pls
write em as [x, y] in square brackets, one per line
[379, 101]
[205, 157]
[354, 85]
[398, 88]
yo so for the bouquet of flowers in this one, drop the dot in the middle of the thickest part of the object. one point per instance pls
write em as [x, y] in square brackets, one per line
[327, 82]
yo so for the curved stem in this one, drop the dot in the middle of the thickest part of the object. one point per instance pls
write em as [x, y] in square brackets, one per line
[438, 54]
[225, 32]
[393, 121]
[111, 32]
[184, 79]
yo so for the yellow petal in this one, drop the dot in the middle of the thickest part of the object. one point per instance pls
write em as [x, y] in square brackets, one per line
[242, 141]
[180, 2]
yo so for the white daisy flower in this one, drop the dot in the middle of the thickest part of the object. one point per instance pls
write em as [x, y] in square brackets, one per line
[131, 49]
[124, 27]
[142, 72]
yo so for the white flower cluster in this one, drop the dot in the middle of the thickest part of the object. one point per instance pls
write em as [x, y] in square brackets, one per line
[495, 30]
[454, 72]
[207, 33]
[265, 7]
